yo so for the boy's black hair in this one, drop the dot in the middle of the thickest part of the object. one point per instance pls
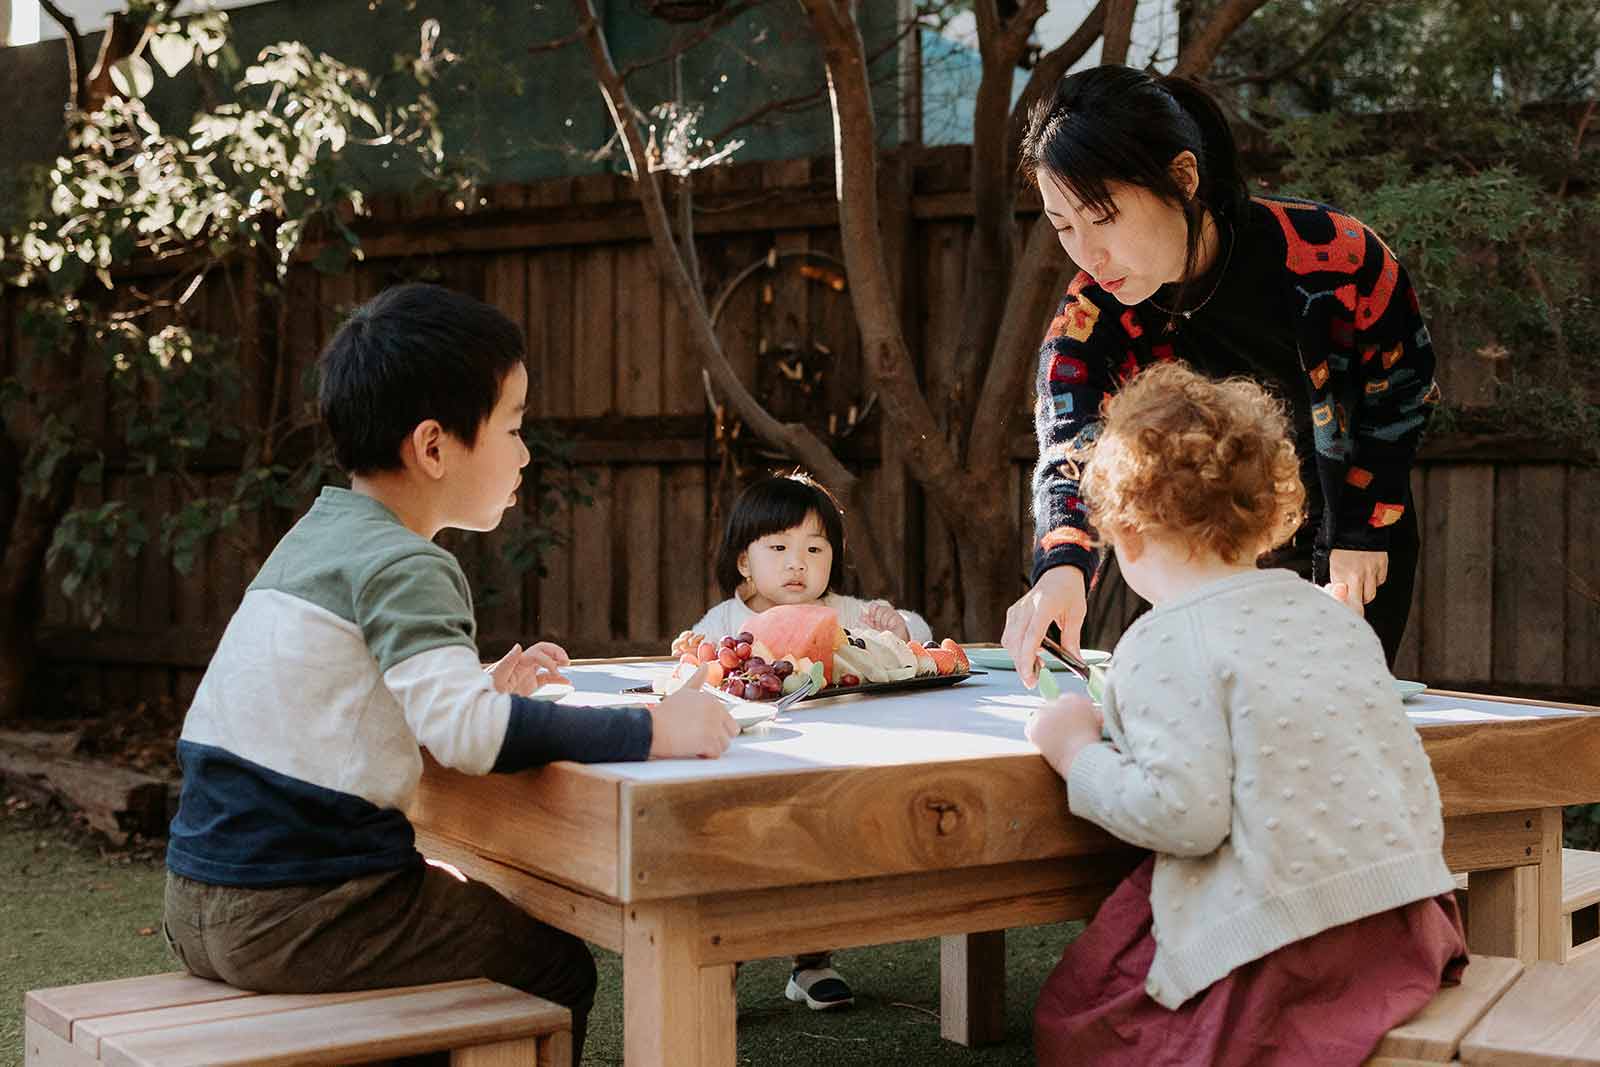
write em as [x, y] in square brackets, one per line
[413, 352]
[771, 506]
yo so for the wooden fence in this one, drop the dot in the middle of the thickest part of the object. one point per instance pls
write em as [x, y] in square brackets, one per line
[1508, 597]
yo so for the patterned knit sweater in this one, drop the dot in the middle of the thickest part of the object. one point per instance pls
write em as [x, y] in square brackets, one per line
[1304, 300]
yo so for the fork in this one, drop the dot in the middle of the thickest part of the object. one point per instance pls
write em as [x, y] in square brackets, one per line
[1074, 664]
[781, 704]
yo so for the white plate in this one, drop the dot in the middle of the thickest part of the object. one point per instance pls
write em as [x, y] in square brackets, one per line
[552, 691]
[998, 659]
[752, 714]
[1407, 690]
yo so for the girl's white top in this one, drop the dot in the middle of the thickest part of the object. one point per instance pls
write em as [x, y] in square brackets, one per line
[1258, 746]
[729, 617]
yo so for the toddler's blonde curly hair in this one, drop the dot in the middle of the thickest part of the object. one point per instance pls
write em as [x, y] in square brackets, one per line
[1201, 462]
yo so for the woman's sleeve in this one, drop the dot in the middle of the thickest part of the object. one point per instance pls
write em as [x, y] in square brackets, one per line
[1083, 345]
[1394, 394]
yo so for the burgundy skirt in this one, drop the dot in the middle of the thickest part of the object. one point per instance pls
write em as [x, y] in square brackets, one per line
[1327, 1000]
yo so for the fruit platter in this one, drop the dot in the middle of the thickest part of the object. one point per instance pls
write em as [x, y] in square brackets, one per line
[784, 646]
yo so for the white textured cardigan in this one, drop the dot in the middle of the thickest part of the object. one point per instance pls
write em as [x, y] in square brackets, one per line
[1258, 746]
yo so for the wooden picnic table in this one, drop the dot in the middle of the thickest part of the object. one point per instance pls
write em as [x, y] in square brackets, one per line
[865, 820]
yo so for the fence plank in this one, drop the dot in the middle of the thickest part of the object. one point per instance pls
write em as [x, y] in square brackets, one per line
[500, 608]
[1529, 565]
[1459, 625]
[1408, 660]
[1582, 577]
[591, 575]
[688, 547]
[642, 541]
[594, 339]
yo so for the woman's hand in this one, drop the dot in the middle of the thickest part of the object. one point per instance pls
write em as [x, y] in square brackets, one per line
[881, 615]
[1360, 573]
[1058, 597]
[1063, 728]
[523, 670]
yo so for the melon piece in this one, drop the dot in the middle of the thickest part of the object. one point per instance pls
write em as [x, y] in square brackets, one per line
[925, 661]
[799, 630]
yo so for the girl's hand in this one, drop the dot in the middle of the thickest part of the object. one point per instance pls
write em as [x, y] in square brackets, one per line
[1063, 728]
[881, 615]
[687, 641]
[523, 670]
[1359, 572]
[1059, 597]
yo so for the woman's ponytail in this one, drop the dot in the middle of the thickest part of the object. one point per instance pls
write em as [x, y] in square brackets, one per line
[1223, 186]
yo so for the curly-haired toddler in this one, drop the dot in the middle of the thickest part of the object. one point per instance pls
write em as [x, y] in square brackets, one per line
[1255, 743]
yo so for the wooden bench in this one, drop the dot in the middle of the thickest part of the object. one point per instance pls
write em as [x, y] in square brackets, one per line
[1580, 901]
[1434, 1034]
[177, 1020]
[1550, 1017]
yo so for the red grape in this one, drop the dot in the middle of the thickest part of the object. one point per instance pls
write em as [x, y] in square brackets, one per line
[849, 679]
[771, 682]
[783, 668]
[728, 659]
[728, 642]
[745, 637]
[735, 687]
[742, 650]
[755, 663]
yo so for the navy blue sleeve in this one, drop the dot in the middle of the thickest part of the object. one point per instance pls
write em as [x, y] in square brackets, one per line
[540, 732]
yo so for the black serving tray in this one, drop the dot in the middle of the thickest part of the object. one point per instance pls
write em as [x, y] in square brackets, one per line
[925, 681]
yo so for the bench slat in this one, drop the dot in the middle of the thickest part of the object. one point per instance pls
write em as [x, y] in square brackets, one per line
[1580, 879]
[402, 1023]
[59, 1007]
[1551, 1016]
[1434, 1034]
[88, 1034]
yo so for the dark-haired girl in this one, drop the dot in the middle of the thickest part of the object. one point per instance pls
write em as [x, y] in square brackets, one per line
[784, 544]
[1141, 179]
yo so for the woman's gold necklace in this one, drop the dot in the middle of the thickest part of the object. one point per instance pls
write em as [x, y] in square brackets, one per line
[1189, 313]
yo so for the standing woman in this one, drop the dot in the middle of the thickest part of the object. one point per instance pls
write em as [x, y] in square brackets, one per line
[1141, 179]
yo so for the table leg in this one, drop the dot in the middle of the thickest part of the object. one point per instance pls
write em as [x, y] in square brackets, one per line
[1552, 923]
[972, 988]
[1505, 913]
[676, 1013]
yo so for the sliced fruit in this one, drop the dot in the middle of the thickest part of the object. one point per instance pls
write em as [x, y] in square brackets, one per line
[963, 665]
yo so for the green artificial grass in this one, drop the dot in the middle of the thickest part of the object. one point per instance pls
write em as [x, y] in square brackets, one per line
[72, 911]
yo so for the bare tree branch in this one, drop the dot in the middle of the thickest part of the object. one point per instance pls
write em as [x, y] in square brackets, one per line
[556, 44]
[1197, 58]
[69, 26]
[686, 41]
[1337, 23]
[1035, 289]
[791, 104]
[1047, 72]
[795, 439]
[994, 188]
[1118, 31]
[883, 345]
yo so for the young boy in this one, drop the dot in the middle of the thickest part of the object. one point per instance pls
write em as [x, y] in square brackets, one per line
[292, 866]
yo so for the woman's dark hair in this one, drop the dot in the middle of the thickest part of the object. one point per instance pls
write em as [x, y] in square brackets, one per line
[413, 352]
[1117, 124]
[771, 506]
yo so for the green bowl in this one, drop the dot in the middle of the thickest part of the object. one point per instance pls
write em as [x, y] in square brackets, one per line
[1097, 682]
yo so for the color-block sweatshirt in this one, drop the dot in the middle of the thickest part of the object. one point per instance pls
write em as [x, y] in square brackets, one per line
[1302, 299]
[352, 649]
[1258, 746]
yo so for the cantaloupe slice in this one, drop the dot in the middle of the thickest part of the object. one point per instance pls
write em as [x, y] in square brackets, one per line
[796, 630]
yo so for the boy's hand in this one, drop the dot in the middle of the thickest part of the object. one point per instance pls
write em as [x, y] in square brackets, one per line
[881, 615]
[691, 722]
[523, 670]
[1063, 728]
